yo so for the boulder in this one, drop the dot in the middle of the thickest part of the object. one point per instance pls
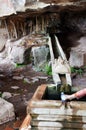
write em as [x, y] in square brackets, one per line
[6, 95]
[6, 111]
[40, 55]
[78, 54]
[14, 52]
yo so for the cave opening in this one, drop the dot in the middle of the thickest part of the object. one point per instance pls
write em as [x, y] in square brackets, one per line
[69, 26]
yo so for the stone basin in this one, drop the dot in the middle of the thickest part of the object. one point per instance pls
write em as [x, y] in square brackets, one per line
[52, 114]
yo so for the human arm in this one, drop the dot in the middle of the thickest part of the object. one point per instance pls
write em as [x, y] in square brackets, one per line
[79, 94]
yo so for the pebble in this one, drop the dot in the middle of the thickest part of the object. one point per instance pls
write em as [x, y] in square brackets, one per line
[18, 77]
[6, 95]
[1, 75]
[27, 80]
[34, 80]
[15, 87]
[42, 77]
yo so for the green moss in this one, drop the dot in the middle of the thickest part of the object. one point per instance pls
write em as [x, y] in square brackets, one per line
[48, 69]
[65, 88]
[77, 70]
[19, 65]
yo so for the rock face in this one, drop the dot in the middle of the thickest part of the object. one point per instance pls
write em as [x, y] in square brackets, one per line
[3, 39]
[40, 16]
[37, 17]
[14, 52]
[6, 8]
[19, 52]
[40, 55]
[78, 54]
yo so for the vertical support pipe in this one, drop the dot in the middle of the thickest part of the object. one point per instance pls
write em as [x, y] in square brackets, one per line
[22, 28]
[60, 50]
[43, 23]
[51, 50]
[68, 79]
[36, 24]
[7, 29]
[30, 27]
[15, 31]
[46, 24]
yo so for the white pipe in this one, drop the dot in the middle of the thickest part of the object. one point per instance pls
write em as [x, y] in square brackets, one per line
[68, 79]
[60, 50]
[51, 50]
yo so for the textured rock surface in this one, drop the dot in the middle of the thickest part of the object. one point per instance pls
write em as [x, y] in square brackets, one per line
[22, 5]
[13, 53]
[6, 111]
[40, 55]
[78, 54]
